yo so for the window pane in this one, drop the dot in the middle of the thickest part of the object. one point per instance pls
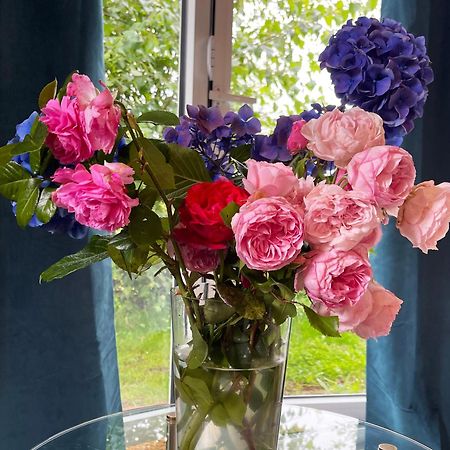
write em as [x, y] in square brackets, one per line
[141, 58]
[276, 45]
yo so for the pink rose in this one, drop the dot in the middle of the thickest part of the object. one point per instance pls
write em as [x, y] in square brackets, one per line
[384, 309]
[296, 141]
[84, 122]
[266, 179]
[424, 217]
[68, 138]
[338, 218]
[98, 198]
[335, 278]
[337, 136]
[201, 260]
[385, 173]
[372, 316]
[268, 233]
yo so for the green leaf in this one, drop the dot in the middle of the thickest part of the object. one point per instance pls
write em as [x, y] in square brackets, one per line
[95, 251]
[199, 391]
[282, 310]
[48, 93]
[14, 179]
[162, 171]
[184, 391]
[145, 225]
[35, 161]
[228, 212]
[32, 142]
[62, 91]
[188, 167]
[148, 197]
[216, 311]
[247, 304]
[235, 407]
[38, 133]
[328, 326]
[6, 153]
[45, 209]
[122, 241]
[127, 255]
[13, 172]
[27, 199]
[241, 153]
[219, 415]
[159, 118]
[199, 350]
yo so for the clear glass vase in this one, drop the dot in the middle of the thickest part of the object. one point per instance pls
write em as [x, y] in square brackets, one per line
[232, 400]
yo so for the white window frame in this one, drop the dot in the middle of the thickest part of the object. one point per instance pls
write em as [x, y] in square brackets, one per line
[205, 74]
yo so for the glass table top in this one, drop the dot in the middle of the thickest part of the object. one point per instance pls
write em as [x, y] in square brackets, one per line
[301, 428]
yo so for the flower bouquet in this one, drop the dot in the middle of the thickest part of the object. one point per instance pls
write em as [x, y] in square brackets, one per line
[252, 227]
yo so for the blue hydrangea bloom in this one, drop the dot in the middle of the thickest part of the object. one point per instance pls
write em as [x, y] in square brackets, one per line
[381, 68]
[23, 128]
[213, 136]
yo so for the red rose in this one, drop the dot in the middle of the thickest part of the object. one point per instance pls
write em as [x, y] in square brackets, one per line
[201, 224]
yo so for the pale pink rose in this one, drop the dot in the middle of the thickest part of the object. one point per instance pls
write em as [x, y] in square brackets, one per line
[338, 136]
[268, 233]
[384, 309]
[296, 141]
[84, 121]
[371, 317]
[338, 218]
[202, 260]
[372, 239]
[266, 179]
[98, 198]
[424, 217]
[335, 277]
[303, 187]
[68, 138]
[385, 173]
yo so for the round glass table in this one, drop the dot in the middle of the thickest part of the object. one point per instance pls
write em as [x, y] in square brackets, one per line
[301, 428]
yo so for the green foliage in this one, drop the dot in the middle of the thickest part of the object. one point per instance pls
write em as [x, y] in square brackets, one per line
[145, 225]
[159, 118]
[228, 212]
[328, 326]
[95, 251]
[188, 167]
[141, 52]
[48, 92]
[199, 349]
[246, 303]
[45, 208]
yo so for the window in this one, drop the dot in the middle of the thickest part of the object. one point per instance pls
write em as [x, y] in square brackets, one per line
[269, 54]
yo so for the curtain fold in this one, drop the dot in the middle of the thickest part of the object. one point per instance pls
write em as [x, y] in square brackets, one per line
[407, 372]
[58, 364]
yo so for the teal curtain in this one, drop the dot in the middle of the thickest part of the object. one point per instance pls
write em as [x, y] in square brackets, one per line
[58, 364]
[408, 386]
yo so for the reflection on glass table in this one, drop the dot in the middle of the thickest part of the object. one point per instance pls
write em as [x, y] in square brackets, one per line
[301, 428]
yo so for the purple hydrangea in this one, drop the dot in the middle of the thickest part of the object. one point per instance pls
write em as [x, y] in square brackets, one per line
[274, 147]
[381, 68]
[214, 135]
